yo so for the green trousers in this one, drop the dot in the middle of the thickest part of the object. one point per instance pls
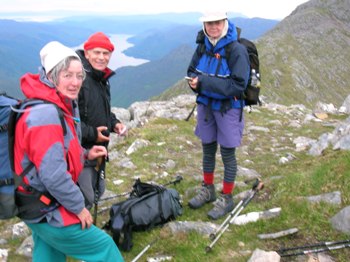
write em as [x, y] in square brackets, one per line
[55, 244]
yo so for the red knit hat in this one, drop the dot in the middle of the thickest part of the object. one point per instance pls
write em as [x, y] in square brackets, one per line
[99, 39]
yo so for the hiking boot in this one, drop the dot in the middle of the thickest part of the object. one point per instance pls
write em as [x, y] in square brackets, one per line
[204, 195]
[222, 206]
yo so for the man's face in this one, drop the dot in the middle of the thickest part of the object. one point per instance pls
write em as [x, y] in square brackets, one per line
[98, 58]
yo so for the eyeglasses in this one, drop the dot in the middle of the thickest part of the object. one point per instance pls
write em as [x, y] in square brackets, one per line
[71, 76]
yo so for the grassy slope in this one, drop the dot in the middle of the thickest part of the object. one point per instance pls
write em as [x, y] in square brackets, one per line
[284, 184]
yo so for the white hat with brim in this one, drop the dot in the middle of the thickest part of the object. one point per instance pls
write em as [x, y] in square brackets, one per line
[53, 53]
[213, 16]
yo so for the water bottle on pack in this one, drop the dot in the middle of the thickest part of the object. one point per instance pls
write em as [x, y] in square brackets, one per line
[254, 78]
[258, 81]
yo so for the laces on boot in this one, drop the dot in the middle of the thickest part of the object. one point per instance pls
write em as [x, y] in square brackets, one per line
[220, 204]
[203, 194]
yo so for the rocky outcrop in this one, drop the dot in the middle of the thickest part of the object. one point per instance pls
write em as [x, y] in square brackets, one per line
[179, 108]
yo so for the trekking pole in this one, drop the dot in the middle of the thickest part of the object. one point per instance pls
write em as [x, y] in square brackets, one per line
[191, 113]
[114, 196]
[213, 235]
[100, 175]
[175, 181]
[313, 248]
[144, 250]
[258, 185]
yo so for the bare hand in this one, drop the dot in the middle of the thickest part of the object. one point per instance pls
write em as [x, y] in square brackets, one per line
[100, 136]
[193, 83]
[85, 218]
[120, 129]
[97, 151]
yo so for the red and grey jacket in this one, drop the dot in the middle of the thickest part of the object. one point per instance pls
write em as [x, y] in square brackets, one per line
[58, 158]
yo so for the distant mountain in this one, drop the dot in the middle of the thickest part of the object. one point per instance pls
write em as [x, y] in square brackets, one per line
[157, 43]
[305, 58]
[169, 51]
[161, 39]
[20, 44]
[142, 82]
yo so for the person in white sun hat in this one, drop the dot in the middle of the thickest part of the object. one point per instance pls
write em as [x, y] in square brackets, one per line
[220, 103]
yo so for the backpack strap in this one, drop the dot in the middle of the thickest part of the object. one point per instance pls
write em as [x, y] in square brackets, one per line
[19, 179]
[3, 128]
[7, 182]
[16, 114]
[85, 90]
[228, 50]
[61, 116]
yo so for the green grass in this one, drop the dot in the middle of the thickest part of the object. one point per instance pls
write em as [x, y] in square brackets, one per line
[285, 187]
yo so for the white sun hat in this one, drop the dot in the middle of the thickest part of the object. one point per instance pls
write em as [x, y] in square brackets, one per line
[213, 16]
[53, 53]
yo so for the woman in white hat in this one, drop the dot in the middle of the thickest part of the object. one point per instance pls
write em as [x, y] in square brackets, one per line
[61, 225]
[219, 88]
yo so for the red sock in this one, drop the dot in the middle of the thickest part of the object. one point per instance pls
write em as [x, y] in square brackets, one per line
[208, 178]
[228, 187]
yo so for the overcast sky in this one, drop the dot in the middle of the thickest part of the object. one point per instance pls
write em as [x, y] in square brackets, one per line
[271, 9]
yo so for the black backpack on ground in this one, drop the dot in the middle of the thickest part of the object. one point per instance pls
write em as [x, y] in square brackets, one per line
[12, 202]
[147, 207]
[251, 94]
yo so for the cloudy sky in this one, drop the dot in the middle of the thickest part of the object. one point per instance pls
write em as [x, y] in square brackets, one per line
[271, 9]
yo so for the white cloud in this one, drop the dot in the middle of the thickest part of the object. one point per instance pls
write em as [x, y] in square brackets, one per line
[272, 9]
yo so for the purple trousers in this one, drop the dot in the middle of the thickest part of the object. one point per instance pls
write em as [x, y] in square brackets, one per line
[223, 127]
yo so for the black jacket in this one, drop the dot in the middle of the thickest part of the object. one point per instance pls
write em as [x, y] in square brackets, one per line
[95, 103]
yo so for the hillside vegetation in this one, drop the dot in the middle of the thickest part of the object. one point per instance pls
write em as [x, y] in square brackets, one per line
[285, 185]
[306, 57]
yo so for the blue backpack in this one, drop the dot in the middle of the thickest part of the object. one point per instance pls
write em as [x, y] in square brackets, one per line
[12, 203]
[7, 201]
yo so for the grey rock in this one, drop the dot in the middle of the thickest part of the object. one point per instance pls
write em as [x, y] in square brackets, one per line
[341, 221]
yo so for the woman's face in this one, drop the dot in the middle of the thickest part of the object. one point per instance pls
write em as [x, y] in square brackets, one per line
[214, 29]
[70, 80]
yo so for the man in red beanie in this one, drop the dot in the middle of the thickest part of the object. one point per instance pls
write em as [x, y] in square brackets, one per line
[97, 120]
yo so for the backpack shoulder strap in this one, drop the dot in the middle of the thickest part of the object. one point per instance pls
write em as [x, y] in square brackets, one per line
[15, 114]
[200, 42]
[228, 50]
[85, 91]
[252, 52]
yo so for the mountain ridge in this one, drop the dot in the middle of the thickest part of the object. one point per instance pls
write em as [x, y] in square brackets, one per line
[20, 43]
[305, 58]
[307, 55]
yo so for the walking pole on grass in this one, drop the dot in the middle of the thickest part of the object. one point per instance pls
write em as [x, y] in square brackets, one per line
[144, 250]
[191, 113]
[114, 196]
[175, 181]
[258, 185]
[100, 175]
[313, 248]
